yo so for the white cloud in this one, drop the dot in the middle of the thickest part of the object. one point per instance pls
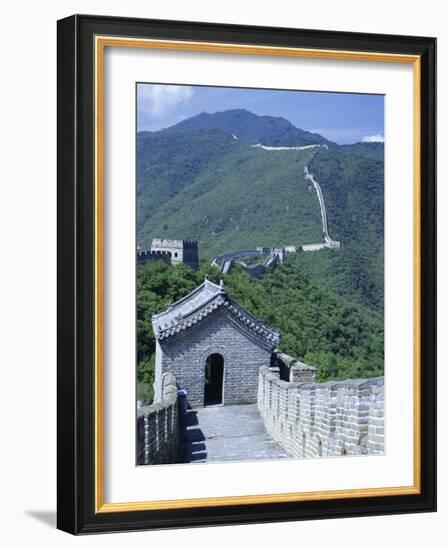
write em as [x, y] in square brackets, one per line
[374, 137]
[160, 101]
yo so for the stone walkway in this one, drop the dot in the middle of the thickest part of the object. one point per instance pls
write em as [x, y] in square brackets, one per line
[228, 433]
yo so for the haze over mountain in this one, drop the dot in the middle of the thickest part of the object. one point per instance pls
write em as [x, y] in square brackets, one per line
[202, 179]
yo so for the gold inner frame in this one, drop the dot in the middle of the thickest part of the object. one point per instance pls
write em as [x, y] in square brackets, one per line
[101, 42]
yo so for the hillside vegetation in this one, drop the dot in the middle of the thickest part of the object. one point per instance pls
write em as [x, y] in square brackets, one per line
[352, 182]
[207, 186]
[317, 326]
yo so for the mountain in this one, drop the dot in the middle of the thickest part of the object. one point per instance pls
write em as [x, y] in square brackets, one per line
[207, 186]
[251, 128]
[196, 181]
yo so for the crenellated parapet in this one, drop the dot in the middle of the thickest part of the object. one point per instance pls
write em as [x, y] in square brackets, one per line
[144, 256]
[330, 419]
[158, 427]
[190, 245]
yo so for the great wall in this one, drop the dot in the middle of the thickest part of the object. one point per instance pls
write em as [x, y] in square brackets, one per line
[221, 379]
[228, 260]
[328, 241]
[159, 429]
[290, 419]
[328, 419]
[170, 251]
[179, 251]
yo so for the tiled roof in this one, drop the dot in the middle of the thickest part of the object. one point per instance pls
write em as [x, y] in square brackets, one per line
[199, 304]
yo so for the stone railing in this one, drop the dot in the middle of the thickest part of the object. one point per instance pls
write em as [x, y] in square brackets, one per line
[329, 419]
[158, 427]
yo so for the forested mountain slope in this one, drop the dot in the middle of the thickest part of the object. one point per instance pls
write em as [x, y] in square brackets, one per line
[202, 179]
[207, 186]
[352, 181]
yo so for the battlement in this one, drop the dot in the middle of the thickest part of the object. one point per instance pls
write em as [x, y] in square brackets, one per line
[144, 256]
[158, 427]
[153, 254]
[330, 419]
[190, 244]
[292, 370]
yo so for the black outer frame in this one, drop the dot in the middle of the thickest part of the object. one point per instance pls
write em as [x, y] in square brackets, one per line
[75, 403]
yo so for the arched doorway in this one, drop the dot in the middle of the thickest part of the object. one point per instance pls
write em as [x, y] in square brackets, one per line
[214, 374]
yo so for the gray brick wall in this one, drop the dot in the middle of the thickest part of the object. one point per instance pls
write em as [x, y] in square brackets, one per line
[291, 369]
[158, 428]
[330, 419]
[185, 357]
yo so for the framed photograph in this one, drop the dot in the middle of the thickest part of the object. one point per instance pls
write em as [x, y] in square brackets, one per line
[246, 274]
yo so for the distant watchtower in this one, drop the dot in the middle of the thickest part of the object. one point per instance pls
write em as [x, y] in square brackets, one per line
[182, 252]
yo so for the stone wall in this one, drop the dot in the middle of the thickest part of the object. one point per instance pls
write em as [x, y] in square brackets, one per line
[292, 370]
[229, 260]
[186, 358]
[329, 419]
[144, 256]
[158, 428]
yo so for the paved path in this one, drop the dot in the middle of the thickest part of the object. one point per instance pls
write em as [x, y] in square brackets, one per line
[228, 433]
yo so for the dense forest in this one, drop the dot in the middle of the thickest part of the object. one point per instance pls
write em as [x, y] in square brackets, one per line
[315, 325]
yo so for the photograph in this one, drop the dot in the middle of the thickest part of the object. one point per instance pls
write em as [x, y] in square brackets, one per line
[259, 274]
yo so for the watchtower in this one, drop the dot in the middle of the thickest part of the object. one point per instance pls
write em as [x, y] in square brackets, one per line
[182, 252]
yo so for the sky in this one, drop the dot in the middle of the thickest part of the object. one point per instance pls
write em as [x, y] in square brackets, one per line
[339, 117]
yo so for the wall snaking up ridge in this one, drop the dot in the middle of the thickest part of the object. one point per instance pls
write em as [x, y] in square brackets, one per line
[329, 419]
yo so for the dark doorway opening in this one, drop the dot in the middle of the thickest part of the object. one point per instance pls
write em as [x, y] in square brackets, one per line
[214, 371]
